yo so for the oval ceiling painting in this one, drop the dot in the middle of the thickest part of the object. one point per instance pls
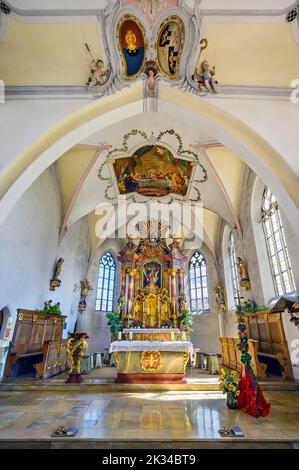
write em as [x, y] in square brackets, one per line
[131, 44]
[169, 46]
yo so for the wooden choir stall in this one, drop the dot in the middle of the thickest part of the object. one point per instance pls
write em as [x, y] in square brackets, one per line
[153, 345]
[37, 347]
[267, 346]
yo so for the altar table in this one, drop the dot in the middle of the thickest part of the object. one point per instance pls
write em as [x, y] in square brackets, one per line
[151, 361]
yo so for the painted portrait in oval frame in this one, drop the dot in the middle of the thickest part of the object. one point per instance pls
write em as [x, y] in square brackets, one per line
[170, 43]
[131, 45]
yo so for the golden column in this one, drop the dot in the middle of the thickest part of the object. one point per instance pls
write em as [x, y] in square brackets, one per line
[132, 272]
[173, 273]
[181, 280]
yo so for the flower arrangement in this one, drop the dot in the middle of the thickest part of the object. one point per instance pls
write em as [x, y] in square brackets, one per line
[229, 381]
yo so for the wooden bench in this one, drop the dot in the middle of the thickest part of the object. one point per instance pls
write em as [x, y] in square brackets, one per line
[231, 356]
[37, 335]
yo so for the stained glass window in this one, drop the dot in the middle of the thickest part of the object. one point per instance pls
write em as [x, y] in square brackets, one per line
[282, 274]
[234, 269]
[198, 277]
[106, 281]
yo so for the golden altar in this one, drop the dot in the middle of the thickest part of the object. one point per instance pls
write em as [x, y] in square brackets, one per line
[153, 344]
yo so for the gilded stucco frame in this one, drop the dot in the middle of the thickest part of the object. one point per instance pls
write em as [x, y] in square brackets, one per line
[124, 18]
[171, 19]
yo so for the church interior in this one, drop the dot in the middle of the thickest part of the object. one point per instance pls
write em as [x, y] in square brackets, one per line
[149, 214]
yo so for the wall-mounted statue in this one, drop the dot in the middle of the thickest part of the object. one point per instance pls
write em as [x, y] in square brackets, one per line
[85, 288]
[204, 77]
[220, 298]
[243, 273]
[99, 75]
[55, 281]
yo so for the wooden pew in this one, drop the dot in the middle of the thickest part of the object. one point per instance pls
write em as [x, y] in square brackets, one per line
[37, 336]
[266, 341]
[231, 356]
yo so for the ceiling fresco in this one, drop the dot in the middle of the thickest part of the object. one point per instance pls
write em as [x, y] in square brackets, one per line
[153, 171]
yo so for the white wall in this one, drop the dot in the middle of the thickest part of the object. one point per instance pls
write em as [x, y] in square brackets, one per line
[206, 327]
[29, 249]
[92, 321]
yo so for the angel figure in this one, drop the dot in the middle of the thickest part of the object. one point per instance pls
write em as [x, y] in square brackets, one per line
[98, 74]
[151, 72]
[205, 77]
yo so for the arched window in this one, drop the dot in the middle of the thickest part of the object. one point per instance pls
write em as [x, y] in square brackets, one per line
[234, 269]
[199, 295]
[106, 281]
[276, 245]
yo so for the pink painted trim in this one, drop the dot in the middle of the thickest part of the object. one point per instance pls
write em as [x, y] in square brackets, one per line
[220, 184]
[82, 179]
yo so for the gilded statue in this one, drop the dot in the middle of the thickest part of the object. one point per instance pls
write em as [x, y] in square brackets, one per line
[243, 273]
[121, 303]
[165, 316]
[137, 309]
[85, 288]
[55, 281]
[181, 304]
[220, 298]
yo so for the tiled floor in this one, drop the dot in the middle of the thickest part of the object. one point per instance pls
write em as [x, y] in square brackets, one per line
[145, 416]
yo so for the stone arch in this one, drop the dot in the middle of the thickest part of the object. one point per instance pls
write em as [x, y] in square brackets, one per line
[255, 151]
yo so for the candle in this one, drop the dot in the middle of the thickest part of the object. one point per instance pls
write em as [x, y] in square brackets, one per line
[130, 335]
[119, 336]
[172, 335]
[183, 335]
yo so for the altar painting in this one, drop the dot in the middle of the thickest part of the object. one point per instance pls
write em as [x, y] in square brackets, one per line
[153, 171]
[131, 44]
[169, 46]
[152, 275]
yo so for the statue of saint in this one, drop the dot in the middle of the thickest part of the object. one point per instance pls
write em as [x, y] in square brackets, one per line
[220, 298]
[181, 304]
[58, 268]
[243, 273]
[121, 304]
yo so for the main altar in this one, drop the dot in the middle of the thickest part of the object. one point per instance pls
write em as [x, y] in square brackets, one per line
[153, 342]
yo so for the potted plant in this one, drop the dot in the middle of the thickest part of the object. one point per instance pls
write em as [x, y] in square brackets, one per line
[114, 324]
[229, 381]
[187, 320]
